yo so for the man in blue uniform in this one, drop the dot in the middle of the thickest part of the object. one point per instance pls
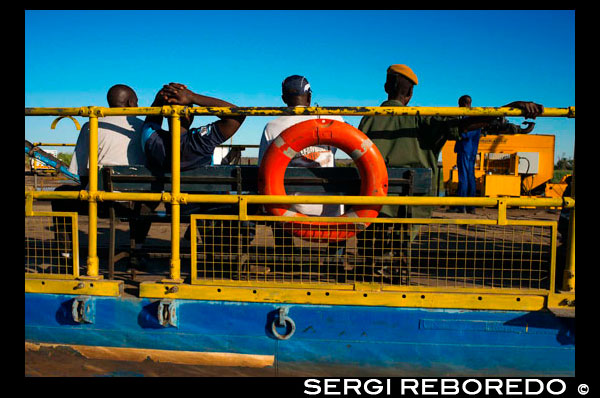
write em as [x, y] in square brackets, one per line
[466, 152]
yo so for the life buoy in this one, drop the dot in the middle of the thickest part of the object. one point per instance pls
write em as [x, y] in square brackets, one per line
[366, 156]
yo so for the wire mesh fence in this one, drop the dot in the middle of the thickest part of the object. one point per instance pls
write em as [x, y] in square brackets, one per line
[394, 253]
[50, 246]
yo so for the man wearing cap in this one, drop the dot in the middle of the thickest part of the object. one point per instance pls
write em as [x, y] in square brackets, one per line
[416, 140]
[296, 92]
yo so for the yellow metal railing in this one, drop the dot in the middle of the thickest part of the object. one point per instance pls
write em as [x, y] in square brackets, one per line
[52, 144]
[176, 198]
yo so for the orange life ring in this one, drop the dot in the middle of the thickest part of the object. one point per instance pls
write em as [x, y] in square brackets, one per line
[366, 156]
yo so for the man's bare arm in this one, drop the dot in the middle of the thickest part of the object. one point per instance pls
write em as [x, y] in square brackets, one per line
[179, 94]
[530, 111]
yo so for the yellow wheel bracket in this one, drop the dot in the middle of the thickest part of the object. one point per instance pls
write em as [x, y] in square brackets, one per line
[55, 122]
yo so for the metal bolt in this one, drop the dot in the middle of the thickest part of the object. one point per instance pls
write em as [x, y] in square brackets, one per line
[173, 289]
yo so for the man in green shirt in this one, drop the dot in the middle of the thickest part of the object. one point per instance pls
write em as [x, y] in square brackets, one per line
[416, 141]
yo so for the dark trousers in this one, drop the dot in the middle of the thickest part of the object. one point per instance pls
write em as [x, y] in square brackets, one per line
[466, 176]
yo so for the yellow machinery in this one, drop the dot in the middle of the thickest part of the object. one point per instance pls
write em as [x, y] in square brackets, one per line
[508, 165]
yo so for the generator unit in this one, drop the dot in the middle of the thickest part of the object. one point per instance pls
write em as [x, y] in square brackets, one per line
[508, 165]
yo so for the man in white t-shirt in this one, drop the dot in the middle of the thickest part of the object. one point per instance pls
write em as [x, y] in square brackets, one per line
[296, 92]
[119, 140]
[118, 136]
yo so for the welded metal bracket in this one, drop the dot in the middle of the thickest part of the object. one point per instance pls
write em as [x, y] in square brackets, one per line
[167, 313]
[83, 309]
[562, 304]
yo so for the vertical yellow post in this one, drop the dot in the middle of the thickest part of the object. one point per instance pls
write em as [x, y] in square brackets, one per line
[502, 212]
[92, 260]
[569, 273]
[28, 203]
[175, 271]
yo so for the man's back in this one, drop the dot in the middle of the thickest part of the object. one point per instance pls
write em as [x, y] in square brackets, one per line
[118, 144]
[313, 156]
[409, 141]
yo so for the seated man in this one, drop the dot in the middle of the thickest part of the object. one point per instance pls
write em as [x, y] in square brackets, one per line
[296, 92]
[197, 148]
[118, 144]
[197, 144]
[118, 136]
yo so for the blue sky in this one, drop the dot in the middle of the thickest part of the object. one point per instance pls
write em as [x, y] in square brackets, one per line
[73, 57]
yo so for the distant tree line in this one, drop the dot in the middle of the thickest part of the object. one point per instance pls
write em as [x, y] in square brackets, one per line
[564, 163]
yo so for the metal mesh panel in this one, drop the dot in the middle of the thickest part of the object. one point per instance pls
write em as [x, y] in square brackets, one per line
[49, 246]
[482, 256]
[389, 254]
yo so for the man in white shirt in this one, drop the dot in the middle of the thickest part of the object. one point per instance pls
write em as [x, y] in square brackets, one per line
[119, 140]
[296, 92]
[118, 136]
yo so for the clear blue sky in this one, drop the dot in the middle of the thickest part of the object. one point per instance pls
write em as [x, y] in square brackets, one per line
[73, 57]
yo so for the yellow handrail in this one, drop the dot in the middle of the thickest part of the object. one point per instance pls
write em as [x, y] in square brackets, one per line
[279, 111]
[51, 144]
[175, 198]
[309, 199]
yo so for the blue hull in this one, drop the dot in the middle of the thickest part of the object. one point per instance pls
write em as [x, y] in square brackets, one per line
[328, 340]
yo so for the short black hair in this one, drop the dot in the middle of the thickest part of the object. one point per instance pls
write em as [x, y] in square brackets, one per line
[118, 95]
[462, 99]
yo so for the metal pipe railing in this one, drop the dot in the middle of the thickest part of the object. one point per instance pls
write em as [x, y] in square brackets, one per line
[313, 110]
[92, 260]
[167, 197]
[175, 269]
[175, 198]
[51, 144]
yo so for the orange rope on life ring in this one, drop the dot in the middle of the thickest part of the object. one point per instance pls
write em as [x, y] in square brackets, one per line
[366, 156]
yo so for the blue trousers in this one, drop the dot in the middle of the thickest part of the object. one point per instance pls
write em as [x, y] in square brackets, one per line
[466, 175]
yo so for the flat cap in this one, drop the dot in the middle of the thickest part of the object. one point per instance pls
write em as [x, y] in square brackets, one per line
[404, 71]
